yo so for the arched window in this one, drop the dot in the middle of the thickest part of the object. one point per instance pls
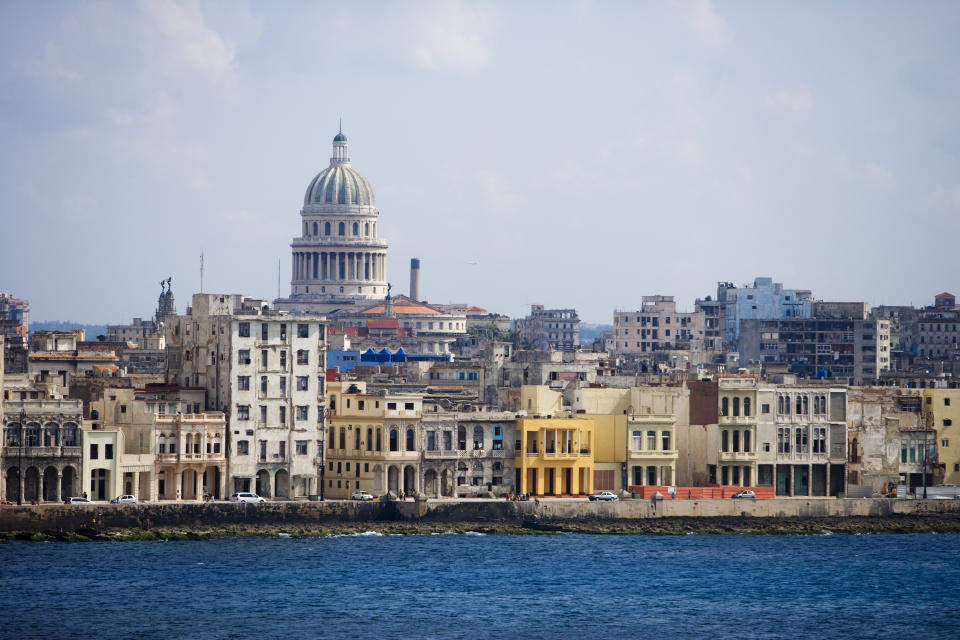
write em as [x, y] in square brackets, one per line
[724, 406]
[779, 404]
[366, 229]
[343, 228]
[343, 437]
[823, 404]
[637, 440]
[315, 225]
[746, 407]
[32, 435]
[651, 440]
[356, 228]
[394, 440]
[816, 405]
[786, 405]
[326, 228]
[462, 438]
[369, 439]
[410, 446]
[333, 438]
[725, 440]
[806, 405]
[736, 406]
[746, 441]
[356, 438]
[736, 440]
[799, 406]
[478, 437]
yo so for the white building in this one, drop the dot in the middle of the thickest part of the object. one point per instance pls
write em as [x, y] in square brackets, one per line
[338, 260]
[266, 371]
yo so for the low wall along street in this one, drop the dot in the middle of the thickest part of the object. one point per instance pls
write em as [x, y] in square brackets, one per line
[320, 515]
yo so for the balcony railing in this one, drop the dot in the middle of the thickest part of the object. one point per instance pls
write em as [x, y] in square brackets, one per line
[738, 456]
[43, 452]
[738, 420]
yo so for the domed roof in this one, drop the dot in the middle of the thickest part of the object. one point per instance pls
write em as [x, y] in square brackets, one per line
[339, 183]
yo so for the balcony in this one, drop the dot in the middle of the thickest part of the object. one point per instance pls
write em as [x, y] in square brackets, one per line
[655, 454]
[738, 456]
[42, 452]
[739, 421]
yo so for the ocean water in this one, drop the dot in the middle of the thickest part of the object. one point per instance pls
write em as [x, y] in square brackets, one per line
[476, 586]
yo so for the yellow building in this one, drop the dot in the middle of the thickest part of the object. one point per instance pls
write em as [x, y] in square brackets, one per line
[372, 442]
[942, 410]
[555, 456]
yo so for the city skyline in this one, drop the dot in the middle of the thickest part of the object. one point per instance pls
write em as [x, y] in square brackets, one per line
[594, 154]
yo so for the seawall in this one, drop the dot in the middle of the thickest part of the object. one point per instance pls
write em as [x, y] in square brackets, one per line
[578, 514]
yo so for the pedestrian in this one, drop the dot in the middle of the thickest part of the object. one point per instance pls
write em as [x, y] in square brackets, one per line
[84, 495]
[689, 494]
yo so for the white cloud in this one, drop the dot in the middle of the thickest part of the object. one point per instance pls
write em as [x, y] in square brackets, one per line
[192, 43]
[454, 37]
[794, 99]
[706, 23]
[687, 151]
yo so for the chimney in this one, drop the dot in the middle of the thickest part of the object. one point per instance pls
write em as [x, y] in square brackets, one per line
[415, 279]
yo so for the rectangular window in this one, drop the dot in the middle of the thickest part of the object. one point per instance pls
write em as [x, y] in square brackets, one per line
[263, 449]
[944, 443]
[108, 452]
[947, 422]
[303, 383]
[243, 412]
[301, 447]
[302, 412]
[264, 331]
[94, 451]
[243, 383]
[303, 331]
[283, 331]
[263, 385]
[408, 406]
[283, 415]
[303, 356]
[263, 413]
[283, 447]
[263, 359]
[283, 385]
[243, 329]
[431, 440]
[243, 447]
[283, 359]
[243, 356]
[391, 406]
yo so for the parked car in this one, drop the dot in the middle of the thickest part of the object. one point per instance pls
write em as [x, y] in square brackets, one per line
[246, 497]
[746, 493]
[361, 495]
[124, 500]
[80, 501]
[603, 495]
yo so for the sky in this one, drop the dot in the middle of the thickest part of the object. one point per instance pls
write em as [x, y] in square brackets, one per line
[579, 154]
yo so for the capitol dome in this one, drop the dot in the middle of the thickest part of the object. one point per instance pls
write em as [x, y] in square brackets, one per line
[339, 183]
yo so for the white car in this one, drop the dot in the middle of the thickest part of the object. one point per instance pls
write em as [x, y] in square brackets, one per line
[79, 501]
[124, 500]
[361, 495]
[603, 495]
[746, 493]
[246, 497]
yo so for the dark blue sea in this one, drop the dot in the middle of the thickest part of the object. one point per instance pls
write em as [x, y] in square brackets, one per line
[475, 586]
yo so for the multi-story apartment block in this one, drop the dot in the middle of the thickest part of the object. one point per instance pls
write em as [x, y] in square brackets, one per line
[802, 439]
[765, 300]
[40, 456]
[466, 453]
[550, 328]
[840, 341]
[941, 408]
[938, 330]
[657, 416]
[64, 354]
[191, 460]
[14, 320]
[737, 456]
[373, 442]
[265, 370]
[554, 456]
[657, 326]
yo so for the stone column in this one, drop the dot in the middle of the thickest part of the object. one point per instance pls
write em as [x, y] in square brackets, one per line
[56, 488]
[179, 494]
[136, 485]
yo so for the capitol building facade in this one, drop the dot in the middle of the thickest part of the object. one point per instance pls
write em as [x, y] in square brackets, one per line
[338, 261]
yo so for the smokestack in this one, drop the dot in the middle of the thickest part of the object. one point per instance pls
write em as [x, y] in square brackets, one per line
[415, 279]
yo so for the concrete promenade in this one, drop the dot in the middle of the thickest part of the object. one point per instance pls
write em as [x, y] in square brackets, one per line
[200, 515]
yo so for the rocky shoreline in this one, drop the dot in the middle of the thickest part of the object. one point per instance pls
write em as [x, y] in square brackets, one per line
[934, 523]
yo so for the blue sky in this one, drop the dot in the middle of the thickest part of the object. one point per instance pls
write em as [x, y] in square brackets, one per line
[582, 154]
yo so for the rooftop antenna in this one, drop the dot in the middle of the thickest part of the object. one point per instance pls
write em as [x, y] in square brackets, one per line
[278, 277]
[201, 271]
